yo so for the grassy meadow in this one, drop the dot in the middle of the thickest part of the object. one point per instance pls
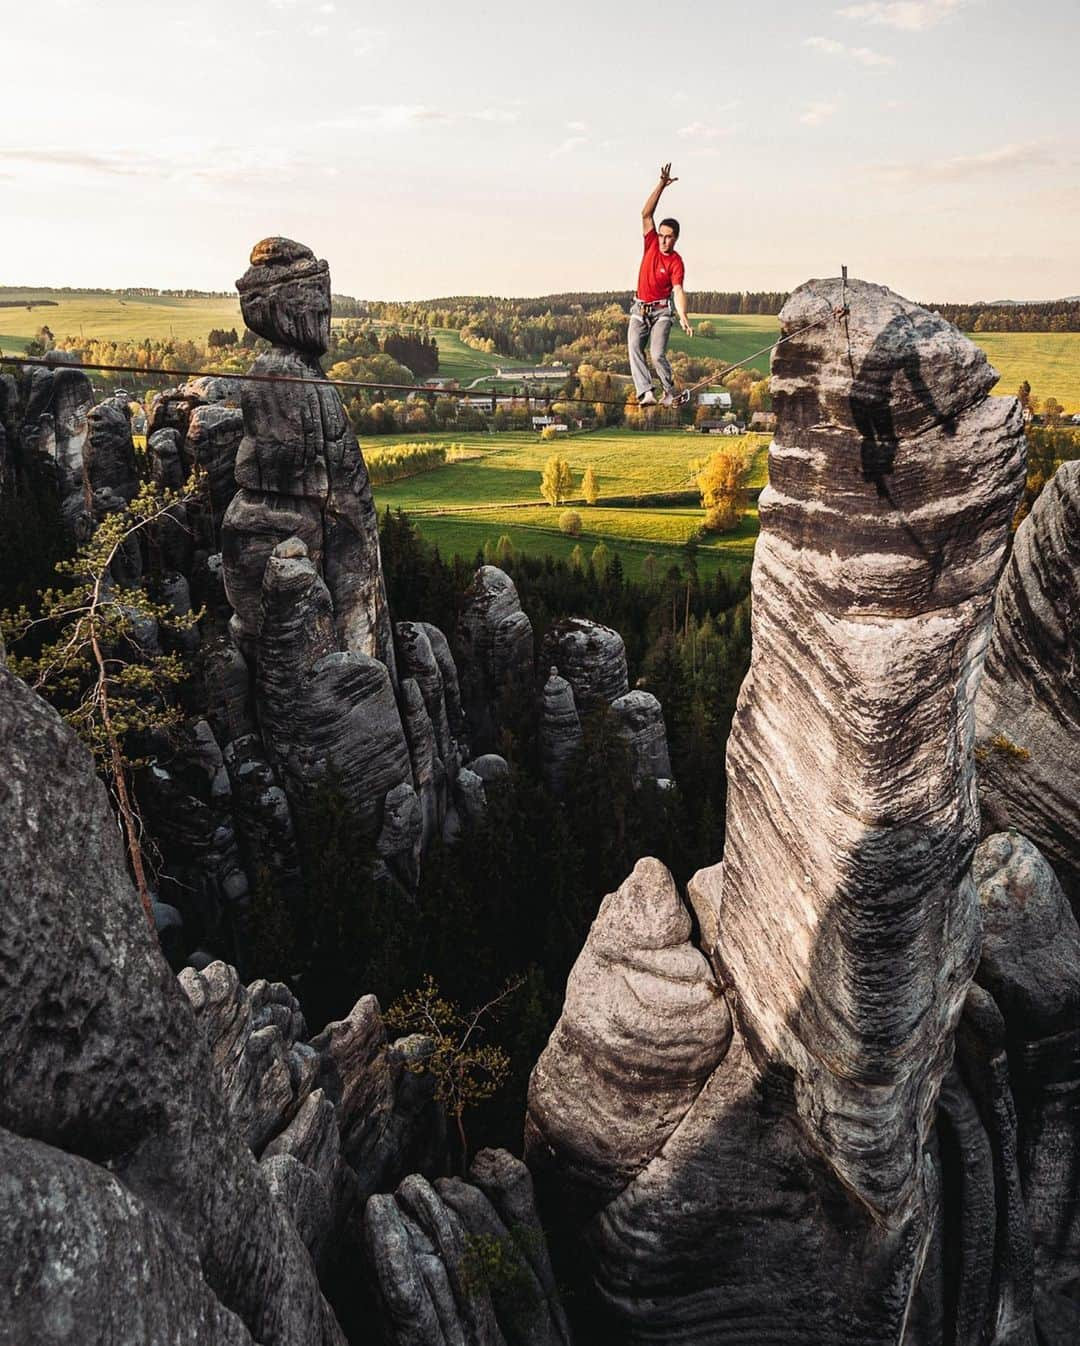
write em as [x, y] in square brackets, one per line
[461, 506]
[1050, 361]
[109, 317]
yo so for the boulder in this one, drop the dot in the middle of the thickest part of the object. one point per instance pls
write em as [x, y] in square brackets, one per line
[591, 657]
[254, 524]
[450, 1270]
[418, 662]
[1031, 966]
[213, 437]
[298, 446]
[643, 1027]
[428, 770]
[440, 648]
[297, 630]
[255, 1036]
[388, 1121]
[86, 1260]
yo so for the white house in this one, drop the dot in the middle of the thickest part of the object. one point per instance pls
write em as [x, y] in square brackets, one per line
[721, 400]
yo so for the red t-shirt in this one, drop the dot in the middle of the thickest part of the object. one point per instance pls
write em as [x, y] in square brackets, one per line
[658, 274]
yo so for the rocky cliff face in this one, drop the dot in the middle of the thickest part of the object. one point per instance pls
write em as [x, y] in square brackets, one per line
[181, 1162]
[117, 1125]
[779, 1183]
[1029, 702]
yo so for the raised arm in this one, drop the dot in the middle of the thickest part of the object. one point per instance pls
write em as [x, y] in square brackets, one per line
[647, 223]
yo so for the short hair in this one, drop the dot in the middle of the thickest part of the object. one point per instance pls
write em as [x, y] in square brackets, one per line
[671, 224]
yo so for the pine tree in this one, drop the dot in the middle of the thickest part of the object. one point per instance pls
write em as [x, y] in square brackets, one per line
[109, 688]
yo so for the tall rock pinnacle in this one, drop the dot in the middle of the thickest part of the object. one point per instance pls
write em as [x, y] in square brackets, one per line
[790, 1191]
[848, 924]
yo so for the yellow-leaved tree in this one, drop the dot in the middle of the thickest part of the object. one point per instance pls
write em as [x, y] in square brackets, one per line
[557, 480]
[721, 479]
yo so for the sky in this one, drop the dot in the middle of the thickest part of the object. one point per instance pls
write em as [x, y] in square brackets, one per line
[430, 149]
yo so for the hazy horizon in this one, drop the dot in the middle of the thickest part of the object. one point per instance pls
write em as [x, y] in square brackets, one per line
[931, 145]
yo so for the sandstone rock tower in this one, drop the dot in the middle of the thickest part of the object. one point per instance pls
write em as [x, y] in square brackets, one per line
[299, 467]
[779, 1182]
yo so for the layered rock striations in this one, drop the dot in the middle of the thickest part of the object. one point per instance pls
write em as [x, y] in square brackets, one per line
[643, 1026]
[299, 468]
[1028, 710]
[789, 1192]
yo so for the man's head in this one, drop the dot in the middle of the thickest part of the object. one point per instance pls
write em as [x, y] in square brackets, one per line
[667, 232]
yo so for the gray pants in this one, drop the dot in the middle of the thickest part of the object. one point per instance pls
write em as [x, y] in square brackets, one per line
[654, 326]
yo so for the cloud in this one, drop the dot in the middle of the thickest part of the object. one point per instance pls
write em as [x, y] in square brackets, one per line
[328, 8]
[318, 30]
[392, 116]
[701, 131]
[818, 113]
[569, 145]
[910, 16]
[133, 166]
[863, 55]
[575, 126]
[222, 164]
[1006, 161]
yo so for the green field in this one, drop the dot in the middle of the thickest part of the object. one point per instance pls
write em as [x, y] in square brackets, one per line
[737, 338]
[463, 505]
[1050, 361]
[112, 318]
[465, 535]
[627, 462]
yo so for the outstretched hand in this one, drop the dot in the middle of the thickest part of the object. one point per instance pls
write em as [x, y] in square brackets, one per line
[665, 176]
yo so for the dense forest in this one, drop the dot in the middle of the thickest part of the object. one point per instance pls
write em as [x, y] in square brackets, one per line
[514, 898]
[1058, 315]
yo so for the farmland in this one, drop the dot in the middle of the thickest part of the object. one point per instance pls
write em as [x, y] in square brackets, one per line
[1050, 361]
[111, 317]
[461, 506]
